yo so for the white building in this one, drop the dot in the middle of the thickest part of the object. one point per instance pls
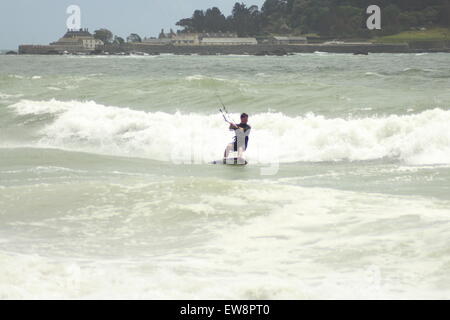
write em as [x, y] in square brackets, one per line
[288, 40]
[78, 39]
[228, 41]
[192, 39]
[156, 42]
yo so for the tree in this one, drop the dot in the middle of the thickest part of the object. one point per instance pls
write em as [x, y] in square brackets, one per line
[340, 18]
[118, 40]
[134, 38]
[444, 14]
[348, 21]
[390, 18]
[318, 16]
[255, 21]
[103, 34]
[274, 8]
[186, 24]
[245, 21]
[408, 20]
[198, 21]
[430, 15]
[214, 20]
[239, 19]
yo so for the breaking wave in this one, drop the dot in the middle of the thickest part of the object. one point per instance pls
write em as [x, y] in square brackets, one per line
[421, 138]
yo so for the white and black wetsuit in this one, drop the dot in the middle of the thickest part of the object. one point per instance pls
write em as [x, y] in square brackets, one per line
[241, 138]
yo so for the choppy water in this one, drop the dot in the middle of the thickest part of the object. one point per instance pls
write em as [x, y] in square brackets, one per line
[105, 190]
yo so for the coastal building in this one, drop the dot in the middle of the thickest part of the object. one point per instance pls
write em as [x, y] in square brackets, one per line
[169, 35]
[218, 35]
[74, 41]
[197, 39]
[287, 40]
[228, 41]
[78, 40]
[156, 42]
[192, 39]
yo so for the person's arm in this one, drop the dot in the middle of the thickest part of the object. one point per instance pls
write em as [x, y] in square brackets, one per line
[233, 126]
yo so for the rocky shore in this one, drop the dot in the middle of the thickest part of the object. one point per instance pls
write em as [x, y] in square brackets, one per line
[256, 50]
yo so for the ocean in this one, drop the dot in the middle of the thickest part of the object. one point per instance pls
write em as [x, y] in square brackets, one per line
[106, 191]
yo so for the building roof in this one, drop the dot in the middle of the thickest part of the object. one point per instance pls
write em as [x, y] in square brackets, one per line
[157, 41]
[229, 40]
[284, 38]
[77, 33]
[218, 35]
[183, 36]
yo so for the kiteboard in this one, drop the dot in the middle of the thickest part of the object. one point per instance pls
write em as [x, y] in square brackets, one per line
[231, 162]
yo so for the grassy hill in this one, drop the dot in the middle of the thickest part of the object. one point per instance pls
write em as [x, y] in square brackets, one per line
[434, 34]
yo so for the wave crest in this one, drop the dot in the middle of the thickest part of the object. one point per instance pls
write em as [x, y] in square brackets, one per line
[421, 138]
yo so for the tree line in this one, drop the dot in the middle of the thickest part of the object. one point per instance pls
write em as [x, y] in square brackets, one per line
[108, 37]
[337, 18]
[328, 18]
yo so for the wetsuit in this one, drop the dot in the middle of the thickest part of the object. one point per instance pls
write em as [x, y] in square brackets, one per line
[241, 138]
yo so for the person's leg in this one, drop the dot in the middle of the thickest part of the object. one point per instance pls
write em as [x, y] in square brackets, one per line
[227, 150]
[240, 159]
[240, 151]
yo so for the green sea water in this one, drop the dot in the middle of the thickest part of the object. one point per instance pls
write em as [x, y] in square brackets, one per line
[106, 190]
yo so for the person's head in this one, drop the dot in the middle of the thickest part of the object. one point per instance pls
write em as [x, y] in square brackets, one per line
[244, 118]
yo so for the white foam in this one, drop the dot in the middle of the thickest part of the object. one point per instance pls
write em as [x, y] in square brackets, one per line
[27, 107]
[373, 74]
[16, 76]
[199, 77]
[421, 138]
[324, 244]
[6, 96]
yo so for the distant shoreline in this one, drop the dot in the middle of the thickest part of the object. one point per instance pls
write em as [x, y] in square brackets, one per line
[84, 43]
[256, 50]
